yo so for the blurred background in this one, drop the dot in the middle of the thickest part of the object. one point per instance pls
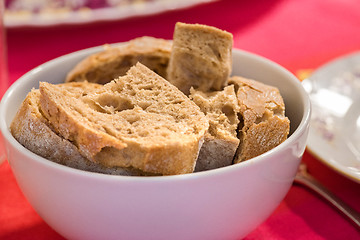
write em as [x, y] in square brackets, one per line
[296, 34]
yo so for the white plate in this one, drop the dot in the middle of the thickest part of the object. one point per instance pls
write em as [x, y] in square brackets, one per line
[334, 135]
[49, 17]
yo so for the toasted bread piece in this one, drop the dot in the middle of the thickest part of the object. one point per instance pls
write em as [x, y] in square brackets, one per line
[139, 120]
[113, 62]
[220, 143]
[263, 117]
[201, 57]
[31, 129]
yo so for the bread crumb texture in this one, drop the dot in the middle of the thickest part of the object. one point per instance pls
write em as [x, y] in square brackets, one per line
[139, 120]
[221, 109]
[200, 57]
[31, 129]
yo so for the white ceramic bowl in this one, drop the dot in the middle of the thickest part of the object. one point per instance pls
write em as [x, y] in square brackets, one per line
[225, 203]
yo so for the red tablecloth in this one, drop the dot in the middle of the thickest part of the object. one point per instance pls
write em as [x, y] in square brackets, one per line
[296, 34]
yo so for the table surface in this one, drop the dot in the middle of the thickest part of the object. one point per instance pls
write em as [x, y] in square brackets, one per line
[296, 34]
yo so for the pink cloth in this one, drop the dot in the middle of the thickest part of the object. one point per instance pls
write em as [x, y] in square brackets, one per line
[296, 34]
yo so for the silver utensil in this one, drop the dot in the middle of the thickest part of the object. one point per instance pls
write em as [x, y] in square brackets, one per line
[305, 179]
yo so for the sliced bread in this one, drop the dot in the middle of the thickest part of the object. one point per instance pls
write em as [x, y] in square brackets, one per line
[220, 143]
[113, 62]
[263, 124]
[201, 57]
[31, 129]
[139, 120]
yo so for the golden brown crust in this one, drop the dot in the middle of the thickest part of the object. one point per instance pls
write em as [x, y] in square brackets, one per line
[113, 62]
[262, 109]
[262, 137]
[31, 129]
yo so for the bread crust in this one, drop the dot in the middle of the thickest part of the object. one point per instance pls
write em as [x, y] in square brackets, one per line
[113, 62]
[31, 129]
[263, 121]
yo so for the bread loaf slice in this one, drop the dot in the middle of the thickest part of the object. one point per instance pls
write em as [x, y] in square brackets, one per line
[31, 129]
[220, 143]
[113, 62]
[200, 57]
[139, 120]
[264, 124]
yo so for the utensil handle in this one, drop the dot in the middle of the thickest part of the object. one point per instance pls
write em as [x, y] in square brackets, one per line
[310, 182]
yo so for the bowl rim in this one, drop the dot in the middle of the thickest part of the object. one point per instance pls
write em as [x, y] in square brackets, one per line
[7, 136]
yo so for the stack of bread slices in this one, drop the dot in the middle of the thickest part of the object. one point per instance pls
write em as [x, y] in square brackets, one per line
[154, 107]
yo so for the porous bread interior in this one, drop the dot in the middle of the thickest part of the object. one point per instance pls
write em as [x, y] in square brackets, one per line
[220, 142]
[139, 120]
[200, 57]
[31, 129]
[142, 109]
[221, 109]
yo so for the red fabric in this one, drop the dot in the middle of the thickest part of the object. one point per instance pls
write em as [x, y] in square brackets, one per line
[296, 34]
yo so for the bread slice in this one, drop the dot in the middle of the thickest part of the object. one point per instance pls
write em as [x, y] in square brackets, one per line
[139, 120]
[201, 57]
[31, 129]
[220, 143]
[113, 62]
[264, 124]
